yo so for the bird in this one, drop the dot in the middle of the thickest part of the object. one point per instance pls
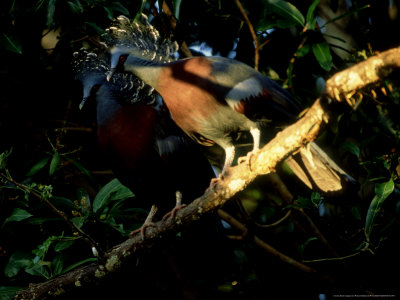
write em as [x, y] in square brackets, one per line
[147, 152]
[215, 99]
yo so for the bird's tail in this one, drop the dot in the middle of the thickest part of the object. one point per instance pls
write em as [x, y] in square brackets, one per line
[317, 170]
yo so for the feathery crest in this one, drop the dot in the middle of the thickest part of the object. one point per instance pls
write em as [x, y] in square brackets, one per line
[141, 36]
[128, 88]
[85, 62]
[131, 34]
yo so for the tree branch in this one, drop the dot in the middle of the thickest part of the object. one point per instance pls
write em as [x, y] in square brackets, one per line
[344, 84]
[237, 178]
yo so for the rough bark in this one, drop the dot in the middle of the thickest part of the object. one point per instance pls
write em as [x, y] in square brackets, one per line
[346, 83]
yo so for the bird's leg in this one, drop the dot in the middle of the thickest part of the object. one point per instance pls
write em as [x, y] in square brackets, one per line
[255, 132]
[177, 207]
[147, 223]
[229, 156]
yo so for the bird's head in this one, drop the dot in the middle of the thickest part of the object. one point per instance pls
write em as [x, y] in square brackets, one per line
[118, 58]
[91, 70]
[91, 82]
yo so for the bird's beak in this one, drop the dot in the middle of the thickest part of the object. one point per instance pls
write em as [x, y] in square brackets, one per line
[111, 73]
[82, 103]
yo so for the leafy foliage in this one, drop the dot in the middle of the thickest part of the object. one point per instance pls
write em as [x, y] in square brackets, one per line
[55, 156]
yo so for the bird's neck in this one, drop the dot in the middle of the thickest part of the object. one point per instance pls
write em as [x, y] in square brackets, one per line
[146, 70]
[107, 105]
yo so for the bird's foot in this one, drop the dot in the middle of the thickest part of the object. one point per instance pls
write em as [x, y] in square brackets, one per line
[142, 229]
[172, 213]
[247, 158]
[147, 223]
[214, 181]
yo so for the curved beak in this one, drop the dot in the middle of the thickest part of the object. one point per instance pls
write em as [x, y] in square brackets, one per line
[82, 103]
[111, 73]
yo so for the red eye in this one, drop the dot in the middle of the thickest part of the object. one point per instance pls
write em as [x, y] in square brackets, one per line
[122, 58]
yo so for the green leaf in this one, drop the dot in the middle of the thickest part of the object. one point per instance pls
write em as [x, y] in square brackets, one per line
[43, 248]
[18, 260]
[303, 202]
[110, 14]
[55, 161]
[177, 8]
[42, 220]
[265, 24]
[8, 292]
[117, 6]
[382, 191]
[76, 7]
[79, 263]
[288, 11]
[84, 200]
[62, 203]
[351, 147]
[323, 55]
[78, 221]
[11, 44]
[81, 168]
[60, 246]
[96, 28]
[37, 167]
[51, 8]
[112, 191]
[316, 199]
[39, 4]
[4, 159]
[347, 13]
[286, 23]
[310, 18]
[302, 247]
[17, 215]
[138, 15]
[57, 265]
[38, 270]
[356, 212]
[303, 51]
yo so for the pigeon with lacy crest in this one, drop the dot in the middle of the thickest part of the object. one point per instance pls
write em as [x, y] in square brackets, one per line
[146, 150]
[214, 99]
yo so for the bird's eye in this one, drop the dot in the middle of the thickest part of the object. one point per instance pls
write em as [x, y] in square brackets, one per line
[95, 88]
[122, 58]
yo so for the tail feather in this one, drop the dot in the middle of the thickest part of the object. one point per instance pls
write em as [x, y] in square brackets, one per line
[317, 170]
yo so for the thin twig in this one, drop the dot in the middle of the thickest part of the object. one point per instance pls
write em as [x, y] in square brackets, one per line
[276, 223]
[82, 129]
[184, 47]
[293, 59]
[80, 39]
[253, 34]
[332, 258]
[249, 219]
[271, 250]
[316, 231]
[58, 212]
